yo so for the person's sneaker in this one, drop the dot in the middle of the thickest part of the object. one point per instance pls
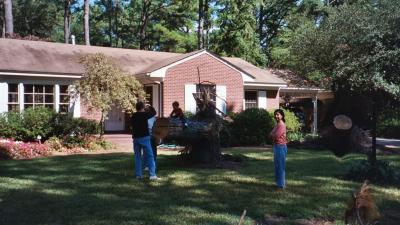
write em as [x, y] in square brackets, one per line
[154, 178]
[139, 177]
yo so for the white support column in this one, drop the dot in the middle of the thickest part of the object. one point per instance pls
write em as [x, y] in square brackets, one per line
[262, 99]
[315, 115]
[21, 98]
[156, 99]
[3, 97]
[57, 97]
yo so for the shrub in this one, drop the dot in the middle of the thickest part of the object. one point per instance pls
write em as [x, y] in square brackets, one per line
[54, 143]
[20, 150]
[29, 124]
[389, 124]
[251, 127]
[65, 125]
[384, 173]
[38, 121]
[11, 125]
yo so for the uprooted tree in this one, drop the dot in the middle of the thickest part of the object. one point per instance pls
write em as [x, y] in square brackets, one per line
[104, 85]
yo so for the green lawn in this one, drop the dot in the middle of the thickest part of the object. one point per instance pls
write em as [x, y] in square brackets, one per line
[101, 189]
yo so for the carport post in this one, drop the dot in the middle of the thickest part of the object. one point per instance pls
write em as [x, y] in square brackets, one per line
[315, 114]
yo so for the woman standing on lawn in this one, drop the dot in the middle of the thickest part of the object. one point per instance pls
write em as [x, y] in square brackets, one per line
[278, 135]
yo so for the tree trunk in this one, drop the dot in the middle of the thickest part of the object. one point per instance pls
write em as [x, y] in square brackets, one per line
[143, 23]
[67, 19]
[110, 16]
[372, 155]
[200, 28]
[102, 119]
[116, 11]
[8, 17]
[86, 22]
[3, 24]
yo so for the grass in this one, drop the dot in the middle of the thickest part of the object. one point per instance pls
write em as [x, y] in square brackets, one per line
[101, 189]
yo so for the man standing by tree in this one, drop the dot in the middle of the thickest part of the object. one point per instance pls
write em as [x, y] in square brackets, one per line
[141, 139]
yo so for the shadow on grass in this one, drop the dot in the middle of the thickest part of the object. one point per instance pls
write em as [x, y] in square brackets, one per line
[101, 189]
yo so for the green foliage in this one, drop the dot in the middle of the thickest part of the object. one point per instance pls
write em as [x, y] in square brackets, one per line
[54, 143]
[362, 58]
[237, 34]
[65, 125]
[104, 84]
[389, 124]
[383, 173]
[251, 127]
[27, 125]
[30, 123]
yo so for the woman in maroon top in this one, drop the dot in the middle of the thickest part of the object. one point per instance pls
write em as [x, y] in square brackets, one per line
[278, 135]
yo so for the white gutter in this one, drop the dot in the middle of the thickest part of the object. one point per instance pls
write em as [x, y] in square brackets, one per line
[39, 75]
[265, 85]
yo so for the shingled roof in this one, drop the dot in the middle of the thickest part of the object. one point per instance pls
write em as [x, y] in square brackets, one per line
[58, 58]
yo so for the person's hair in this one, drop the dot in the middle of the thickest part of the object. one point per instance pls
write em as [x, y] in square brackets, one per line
[175, 103]
[151, 109]
[280, 111]
[139, 106]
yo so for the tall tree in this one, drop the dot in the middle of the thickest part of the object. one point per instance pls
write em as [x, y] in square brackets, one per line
[67, 20]
[362, 59]
[237, 34]
[86, 21]
[9, 17]
[104, 85]
[271, 15]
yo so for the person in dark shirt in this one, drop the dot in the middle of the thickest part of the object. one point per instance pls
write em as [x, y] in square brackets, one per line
[141, 139]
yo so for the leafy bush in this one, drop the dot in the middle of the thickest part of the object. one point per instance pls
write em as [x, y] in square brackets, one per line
[38, 121]
[293, 126]
[26, 126]
[251, 127]
[54, 143]
[67, 125]
[389, 124]
[384, 173]
[29, 124]
[10, 149]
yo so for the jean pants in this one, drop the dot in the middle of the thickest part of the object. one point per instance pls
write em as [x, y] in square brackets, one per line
[138, 144]
[280, 152]
[154, 148]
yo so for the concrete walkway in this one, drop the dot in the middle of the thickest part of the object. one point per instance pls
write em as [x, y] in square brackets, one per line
[122, 142]
[389, 144]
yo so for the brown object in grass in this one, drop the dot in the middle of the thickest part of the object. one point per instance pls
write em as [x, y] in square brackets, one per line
[362, 210]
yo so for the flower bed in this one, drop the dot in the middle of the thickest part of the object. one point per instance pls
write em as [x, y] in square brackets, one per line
[10, 149]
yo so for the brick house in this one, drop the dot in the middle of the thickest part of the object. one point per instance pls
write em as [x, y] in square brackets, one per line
[39, 73]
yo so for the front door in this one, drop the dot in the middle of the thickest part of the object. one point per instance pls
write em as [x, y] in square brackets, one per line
[115, 120]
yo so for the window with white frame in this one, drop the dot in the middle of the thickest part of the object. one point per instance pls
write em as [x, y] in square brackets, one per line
[250, 99]
[64, 99]
[38, 95]
[13, 99]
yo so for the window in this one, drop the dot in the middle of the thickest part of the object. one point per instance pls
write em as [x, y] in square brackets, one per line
[64, 99]
[149, 94]
[13, 101]
[250, 99]
[39, 95]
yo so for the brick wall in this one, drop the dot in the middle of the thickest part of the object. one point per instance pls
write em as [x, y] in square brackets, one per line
[211, 70]
[272, 99]
[93, 115]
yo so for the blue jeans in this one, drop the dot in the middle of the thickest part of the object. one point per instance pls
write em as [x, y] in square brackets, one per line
[280, 152]
[138, 144]
[154, 148]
